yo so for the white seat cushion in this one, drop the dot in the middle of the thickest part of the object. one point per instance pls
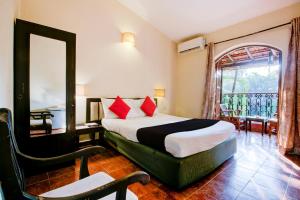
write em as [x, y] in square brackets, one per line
[87, 184]
[37, 122]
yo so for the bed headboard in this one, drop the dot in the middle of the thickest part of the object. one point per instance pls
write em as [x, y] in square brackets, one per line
[94, 111]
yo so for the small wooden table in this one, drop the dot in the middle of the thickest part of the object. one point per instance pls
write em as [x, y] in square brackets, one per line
[262, 120]
[82, 129]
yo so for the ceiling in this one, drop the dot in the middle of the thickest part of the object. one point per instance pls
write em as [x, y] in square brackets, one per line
[179, 19]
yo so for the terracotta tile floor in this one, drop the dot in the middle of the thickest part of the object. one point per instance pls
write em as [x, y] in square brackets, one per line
[257, 171]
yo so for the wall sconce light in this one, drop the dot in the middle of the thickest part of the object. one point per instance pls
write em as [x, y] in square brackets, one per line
[128, 38]
[80, 90]
[159, 92]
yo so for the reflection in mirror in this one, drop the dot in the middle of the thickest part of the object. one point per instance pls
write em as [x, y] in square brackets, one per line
[47, 85]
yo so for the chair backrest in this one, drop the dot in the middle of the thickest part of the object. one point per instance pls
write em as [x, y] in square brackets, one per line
[224, 110]
[223, 107]
[11, 175]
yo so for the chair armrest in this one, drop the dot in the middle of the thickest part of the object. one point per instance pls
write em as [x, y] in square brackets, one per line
[230, 112]
[119, 186]
[60, 159]
[29, 196]
[41, 115]
[227, 110]
[83, 154]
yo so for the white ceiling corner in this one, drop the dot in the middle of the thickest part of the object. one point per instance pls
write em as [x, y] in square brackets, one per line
[182, 18]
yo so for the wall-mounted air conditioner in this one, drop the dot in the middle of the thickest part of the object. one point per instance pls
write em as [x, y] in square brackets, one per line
[195, 43]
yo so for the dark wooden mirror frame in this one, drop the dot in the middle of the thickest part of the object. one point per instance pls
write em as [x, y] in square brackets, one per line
[23, 29]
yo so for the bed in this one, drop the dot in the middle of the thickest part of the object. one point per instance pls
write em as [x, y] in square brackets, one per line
[188, 156]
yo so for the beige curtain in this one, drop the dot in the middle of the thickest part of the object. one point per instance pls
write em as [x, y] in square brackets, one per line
[211, 104]
[289, 100]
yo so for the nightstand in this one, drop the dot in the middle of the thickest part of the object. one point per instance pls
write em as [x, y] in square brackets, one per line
[95, 133]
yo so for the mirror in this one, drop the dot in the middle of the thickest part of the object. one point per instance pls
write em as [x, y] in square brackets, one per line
[44, 89]
[47, 78]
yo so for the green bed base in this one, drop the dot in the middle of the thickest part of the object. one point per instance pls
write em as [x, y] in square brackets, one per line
[175, 172]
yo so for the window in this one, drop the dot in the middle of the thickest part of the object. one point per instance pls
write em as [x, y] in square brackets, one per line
[250, 77]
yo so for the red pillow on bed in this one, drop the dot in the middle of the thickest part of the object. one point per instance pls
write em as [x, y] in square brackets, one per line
[120, 108]
[148, 106]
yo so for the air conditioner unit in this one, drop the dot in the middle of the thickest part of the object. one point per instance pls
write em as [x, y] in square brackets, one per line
[195, 43]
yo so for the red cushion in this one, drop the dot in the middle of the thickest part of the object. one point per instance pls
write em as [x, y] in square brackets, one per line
[148, 106]
[120, 108]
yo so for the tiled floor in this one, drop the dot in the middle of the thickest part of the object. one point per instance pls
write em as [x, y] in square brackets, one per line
[257, 171]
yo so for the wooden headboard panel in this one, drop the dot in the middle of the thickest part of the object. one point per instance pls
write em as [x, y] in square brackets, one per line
[89, 102]
[97, 101]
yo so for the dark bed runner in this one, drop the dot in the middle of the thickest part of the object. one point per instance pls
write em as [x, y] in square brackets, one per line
[154, 136]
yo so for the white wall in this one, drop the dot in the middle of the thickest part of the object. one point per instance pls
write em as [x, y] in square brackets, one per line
[8, 9]
[190, 83]
[189, 100]
[106, 66]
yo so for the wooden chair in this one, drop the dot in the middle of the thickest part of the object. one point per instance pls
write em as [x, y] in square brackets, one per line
[232, 116]
[41, 121]
[88, 187]
[226, 112]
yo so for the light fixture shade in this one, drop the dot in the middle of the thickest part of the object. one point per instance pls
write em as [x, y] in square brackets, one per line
[128, 38]
[159, 92]
[80, 90]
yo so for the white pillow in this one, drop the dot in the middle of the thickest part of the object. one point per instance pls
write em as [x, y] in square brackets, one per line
[135, 105]
[135, 110]
[106, 103]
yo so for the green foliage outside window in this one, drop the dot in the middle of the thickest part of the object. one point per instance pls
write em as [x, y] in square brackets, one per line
[254, 79]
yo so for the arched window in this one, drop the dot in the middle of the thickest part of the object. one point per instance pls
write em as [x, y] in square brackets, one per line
[250, 79]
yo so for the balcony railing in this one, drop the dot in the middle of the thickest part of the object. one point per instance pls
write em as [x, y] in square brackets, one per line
[250, 104]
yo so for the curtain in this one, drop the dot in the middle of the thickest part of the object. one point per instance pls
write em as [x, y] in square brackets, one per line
[211, 103]
[289, 99]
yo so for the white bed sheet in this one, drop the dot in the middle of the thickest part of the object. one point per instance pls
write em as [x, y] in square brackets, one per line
[181, 144]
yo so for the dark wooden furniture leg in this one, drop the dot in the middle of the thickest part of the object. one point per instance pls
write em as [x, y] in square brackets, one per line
[93, 137]
[270, 132]
[266, 126]
[250, 125]
[91, 131]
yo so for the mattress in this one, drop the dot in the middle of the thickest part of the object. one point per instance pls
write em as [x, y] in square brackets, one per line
[180, 144]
